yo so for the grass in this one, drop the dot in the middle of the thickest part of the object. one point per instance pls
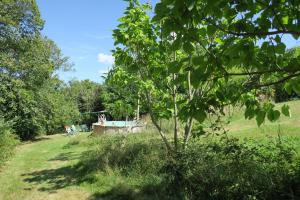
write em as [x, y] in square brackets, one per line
[42, 170]
[240, 127]
[284, 128]
[116, 167]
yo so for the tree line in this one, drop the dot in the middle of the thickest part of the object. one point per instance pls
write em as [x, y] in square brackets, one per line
[33, 100]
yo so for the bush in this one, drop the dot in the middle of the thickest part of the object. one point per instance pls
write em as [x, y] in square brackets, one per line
[130, 154]
[128, 167]
[209, 169]
[8, 142]
[230, 169]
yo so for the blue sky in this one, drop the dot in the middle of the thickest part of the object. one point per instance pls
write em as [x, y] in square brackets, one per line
[82, 30]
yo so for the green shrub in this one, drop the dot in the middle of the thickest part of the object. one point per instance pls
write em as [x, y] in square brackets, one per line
[128, 154]
[209, 169]
[230, 169]
[8, 141]
[128, 167]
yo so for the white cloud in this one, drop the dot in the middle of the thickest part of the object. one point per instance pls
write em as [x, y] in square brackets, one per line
[106, 59]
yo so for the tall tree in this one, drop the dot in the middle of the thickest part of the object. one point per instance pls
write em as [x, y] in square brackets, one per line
[197, 57]
[27, 62]
[86, 95]
[121, 95]
[240, 39]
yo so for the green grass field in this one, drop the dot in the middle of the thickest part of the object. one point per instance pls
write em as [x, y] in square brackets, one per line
[42, 170]
[284, 126]
[48, 167]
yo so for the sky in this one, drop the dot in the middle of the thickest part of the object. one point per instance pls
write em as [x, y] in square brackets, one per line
[82, 29]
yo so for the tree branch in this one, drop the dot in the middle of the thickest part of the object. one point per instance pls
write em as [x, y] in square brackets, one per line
[256, 33]
[277, 82]
[256, 72]
[162, 134]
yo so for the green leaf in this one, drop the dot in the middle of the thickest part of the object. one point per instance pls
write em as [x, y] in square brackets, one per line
[160, 9]
[280, 48]
[288, 88]
[200, 116]
[219, 41]
[179, 79]
[202, 32]
[176, 45]
[211, 30]
[190, 4]
[278, 39]
[260, 117]
[296, 87]
[174, 67]
[188, 47]
[285, 20]
[197, 60]
[273, 115]
[249, 113]
[197, 76]
[285, 109]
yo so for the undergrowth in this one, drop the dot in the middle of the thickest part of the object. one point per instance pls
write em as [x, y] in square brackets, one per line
[139, 167]
[8, 142]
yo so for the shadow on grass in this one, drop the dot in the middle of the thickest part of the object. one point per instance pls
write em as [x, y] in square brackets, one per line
[146, 192]
[91, 161]
[61, 177]
[40, 139]
[54, 179]
[70, 144]
[124, 192]
[68, 156]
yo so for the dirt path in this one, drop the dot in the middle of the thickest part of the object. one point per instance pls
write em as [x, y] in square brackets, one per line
[44, 169]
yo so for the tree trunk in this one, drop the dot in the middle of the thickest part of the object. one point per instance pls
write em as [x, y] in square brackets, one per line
[175, 114]
[138, 109]
[175, 118]
[154, 121]
[189, 124]
[188, 131]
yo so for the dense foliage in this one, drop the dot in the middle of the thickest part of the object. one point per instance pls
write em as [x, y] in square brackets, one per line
[232, 169]
[87, 97]
[121, 97]
[214, 168]
[56, 106]
[30, 93]
[194, 58]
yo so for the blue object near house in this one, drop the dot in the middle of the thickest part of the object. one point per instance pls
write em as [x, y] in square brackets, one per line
[117, 127]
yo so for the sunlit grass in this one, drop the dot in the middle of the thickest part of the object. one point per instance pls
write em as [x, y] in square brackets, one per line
[240, 127]
[38, 169]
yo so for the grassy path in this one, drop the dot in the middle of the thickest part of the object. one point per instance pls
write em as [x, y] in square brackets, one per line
[43, 169]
